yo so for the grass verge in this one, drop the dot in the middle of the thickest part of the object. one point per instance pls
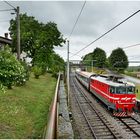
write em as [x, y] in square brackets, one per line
[138, 94]
[24, 110]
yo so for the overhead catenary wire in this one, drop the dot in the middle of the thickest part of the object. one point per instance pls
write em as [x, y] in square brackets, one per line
[134, 56]
[10, 5]
[131, 46]
[127, 47]
[5, 10]
[77, 19]
[76, 55]
[107, 32]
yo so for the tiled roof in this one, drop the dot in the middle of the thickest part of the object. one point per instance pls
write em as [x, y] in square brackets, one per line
[4, 40]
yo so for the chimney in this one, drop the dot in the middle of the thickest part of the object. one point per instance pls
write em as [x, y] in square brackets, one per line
[6, 35]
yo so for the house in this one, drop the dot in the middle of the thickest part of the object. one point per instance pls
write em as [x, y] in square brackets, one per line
[4, 41]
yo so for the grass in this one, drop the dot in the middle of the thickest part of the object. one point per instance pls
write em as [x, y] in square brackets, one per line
[97, 70]
[24, 110]
[138, 94]
[133, 74]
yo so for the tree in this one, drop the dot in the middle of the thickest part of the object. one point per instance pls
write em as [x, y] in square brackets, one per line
[99, 56]
[36, 37]
[29, 31]
[58, 64]
[118, 60]
[88, 59]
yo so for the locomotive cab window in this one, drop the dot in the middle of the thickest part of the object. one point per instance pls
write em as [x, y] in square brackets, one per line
[112, 89]
[121, 90]
[130, 90]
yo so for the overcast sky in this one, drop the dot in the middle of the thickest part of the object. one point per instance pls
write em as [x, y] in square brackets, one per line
[97, 18]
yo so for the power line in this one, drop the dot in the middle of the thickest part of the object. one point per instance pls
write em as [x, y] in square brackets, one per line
[107, 32]
[131, 46]
[77, 19]
[10, 4]
[127, 47]
[5, 10]
[76, 55]
[134, 56]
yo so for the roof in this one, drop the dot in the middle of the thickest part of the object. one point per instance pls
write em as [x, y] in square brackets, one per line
[4, 40]
[106, 80]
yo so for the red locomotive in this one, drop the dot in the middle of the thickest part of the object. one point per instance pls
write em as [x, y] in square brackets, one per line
[119, 96]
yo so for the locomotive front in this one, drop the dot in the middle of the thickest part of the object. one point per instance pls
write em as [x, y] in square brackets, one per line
[124, 99]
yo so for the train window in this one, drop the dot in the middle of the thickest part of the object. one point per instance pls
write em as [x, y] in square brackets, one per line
[112, 89]
[121, 90]
[130, 90]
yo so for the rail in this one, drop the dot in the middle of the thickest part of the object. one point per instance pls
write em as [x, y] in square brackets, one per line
[51, 129]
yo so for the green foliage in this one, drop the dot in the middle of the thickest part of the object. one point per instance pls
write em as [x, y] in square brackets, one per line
[29, 31]
[99, 56]
[27, 70]
[37, 39]
[2, 88]
[37, 71]
[11, 71]
[133, 69]
[58, 64]
[24, 110]
[87, 60]
[118, 60]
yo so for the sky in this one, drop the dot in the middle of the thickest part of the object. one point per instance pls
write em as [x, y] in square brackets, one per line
[96, 18]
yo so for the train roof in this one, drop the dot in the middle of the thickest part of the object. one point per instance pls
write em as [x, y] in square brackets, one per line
[107, 79]
[86, 74]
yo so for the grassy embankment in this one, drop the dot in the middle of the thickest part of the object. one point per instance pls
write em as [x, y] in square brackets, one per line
[24, 110]
[97, 70]
[133, 74]
[138, 94]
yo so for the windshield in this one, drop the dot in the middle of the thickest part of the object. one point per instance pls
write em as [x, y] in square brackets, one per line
[122, 90]
[112, 89]
[130, 90]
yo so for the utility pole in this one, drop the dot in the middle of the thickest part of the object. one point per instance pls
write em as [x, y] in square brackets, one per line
[18, 26]
[92, 65]
[68, 70]
[18, 33]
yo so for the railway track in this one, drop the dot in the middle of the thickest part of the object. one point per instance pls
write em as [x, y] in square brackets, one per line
[131, 125]
[99, 126]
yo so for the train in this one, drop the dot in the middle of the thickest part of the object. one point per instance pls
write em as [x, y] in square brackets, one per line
[115, 92]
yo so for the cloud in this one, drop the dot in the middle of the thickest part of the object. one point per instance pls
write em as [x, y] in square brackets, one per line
[97, 18]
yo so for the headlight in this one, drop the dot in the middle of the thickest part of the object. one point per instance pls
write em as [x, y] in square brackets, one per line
[133, 101]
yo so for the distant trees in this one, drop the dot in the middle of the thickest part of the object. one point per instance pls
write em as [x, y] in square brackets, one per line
[98, 57]
[87, 59]
[118, 60]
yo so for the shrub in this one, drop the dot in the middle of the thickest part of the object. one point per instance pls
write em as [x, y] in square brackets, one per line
[27, 69]
[11, 71]
[37, 71]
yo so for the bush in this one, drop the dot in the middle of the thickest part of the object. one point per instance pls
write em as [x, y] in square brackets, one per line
[37, 71]
[27, 69]
[11, 70]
